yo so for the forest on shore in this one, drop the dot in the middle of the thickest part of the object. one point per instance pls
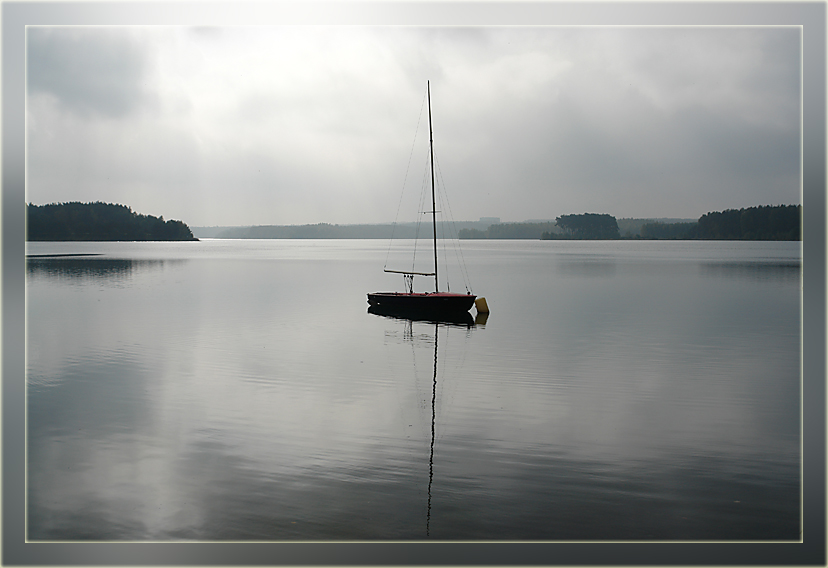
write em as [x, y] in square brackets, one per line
[75, 221]
[763, 223]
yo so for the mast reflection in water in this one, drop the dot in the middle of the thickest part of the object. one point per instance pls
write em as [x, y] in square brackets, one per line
[460, 320]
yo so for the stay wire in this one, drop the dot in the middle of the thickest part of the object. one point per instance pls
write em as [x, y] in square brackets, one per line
[445, 235]
[405, 180]
[458, 250]
[420, 210]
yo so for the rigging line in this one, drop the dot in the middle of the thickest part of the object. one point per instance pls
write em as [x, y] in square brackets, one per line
[457, 248]
[452, 228]
[405, 180]
[444, 223]
[420, 209]
[445, 232]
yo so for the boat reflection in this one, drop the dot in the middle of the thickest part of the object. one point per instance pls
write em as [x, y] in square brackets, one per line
[458, 319]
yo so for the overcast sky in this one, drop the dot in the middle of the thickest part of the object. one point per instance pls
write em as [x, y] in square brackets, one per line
[294, 125]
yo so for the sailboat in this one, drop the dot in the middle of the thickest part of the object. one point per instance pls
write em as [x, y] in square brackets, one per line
[434, 303]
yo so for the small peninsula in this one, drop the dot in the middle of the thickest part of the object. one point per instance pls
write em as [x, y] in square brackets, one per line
[98, 221]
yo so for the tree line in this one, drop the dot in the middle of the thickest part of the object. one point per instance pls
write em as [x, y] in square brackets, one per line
[587, 226]
[75, 221]
[763, 223]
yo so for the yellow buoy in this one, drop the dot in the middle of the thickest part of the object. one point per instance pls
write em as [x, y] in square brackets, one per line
[482, 307]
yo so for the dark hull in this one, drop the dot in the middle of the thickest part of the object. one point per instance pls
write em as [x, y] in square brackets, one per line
[437, 303]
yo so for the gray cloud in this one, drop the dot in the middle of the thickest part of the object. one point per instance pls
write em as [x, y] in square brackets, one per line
[91, 71]
[304, 125]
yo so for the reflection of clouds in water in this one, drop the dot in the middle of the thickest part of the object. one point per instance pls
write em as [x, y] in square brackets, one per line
[114, 458]
[85, 421]
[590, 268]
[553, 497]
[253, 400]
[227, 496]
[654, 362]
[138, 475]
[102, 270]
[787, 271]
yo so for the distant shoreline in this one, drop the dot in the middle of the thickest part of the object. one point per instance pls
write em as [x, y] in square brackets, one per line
[104, 222]
[531, 230]
[764, 223]
[67, 254]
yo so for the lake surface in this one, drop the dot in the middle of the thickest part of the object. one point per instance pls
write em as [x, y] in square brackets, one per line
[239, 390]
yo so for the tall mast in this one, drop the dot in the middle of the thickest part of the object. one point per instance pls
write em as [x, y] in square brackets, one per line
[433, 203]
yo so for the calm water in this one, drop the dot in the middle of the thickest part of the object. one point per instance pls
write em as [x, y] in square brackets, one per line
[239, 390]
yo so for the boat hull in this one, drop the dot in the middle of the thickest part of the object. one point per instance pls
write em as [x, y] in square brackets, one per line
[434, 303]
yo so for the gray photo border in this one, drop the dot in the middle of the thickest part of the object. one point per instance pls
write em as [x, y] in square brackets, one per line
[810, 15]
